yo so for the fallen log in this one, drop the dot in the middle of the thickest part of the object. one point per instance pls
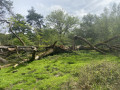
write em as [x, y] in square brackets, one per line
[4, 66]
[21, 62]
[3, 60]
[106, 41]
[52, 49]
[100, 47]
[91, 46]
[18, 48]
[46, 53]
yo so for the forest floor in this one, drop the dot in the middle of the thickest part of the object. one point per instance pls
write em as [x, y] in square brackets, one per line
[68, 71]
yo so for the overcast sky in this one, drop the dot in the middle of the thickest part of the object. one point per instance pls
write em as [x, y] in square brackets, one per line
[75, 7]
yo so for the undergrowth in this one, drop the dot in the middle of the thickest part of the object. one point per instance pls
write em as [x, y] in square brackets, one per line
[68, 71]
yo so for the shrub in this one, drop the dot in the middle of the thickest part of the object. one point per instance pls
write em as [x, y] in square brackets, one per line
[102, 76]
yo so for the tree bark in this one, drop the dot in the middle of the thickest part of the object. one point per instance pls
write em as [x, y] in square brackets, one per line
[3, 60]
[19, 48]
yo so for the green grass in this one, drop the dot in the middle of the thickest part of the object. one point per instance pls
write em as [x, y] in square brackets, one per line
[50, 73]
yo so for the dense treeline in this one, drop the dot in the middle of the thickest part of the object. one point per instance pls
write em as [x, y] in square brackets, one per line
[35, 29]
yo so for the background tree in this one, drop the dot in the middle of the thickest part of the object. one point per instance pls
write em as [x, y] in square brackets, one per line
[5, 7]
[62, 22]
[102, 26]
[87, 28]
[4, 39]
[19, 25]
[20, 28]
[34, 19]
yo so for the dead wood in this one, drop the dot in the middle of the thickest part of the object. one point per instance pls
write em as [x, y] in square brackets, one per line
[53, 49]
[3, 60]
[87, 42]
[107, 41]
[21, 62]
[51, 46]
[4, 66]
[50, 50]
[43, 54]
[100, 47]
[18, 48]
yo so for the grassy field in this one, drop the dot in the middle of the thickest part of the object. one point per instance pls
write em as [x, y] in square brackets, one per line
[68, 71]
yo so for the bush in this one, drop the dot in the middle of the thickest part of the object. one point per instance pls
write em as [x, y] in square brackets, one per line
[102, 76]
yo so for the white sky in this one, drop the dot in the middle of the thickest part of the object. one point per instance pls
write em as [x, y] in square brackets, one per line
[75, 7]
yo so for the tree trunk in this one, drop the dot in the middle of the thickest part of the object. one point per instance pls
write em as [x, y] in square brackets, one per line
[92, 46]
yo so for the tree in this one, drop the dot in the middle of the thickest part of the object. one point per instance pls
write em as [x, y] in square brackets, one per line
[102, 26]
[62, 22]
[36, 21]
[5, 7]
[34, 18]
[25, 38]
[87, 27]
[19, 25]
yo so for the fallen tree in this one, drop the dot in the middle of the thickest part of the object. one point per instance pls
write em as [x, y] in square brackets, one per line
[107, 47]
[106, 41]
[50, 50]
[53, 49]
[3, 60]
[18, 48]
[102, 47]
[87, 42]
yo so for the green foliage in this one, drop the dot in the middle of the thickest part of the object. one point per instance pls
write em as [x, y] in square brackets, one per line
[25, 39]
[4, 39]
[50, 36]
[62, 27]
[19, 24]
[99, 28]
[35, 19]
[104, 75]
[62, 22]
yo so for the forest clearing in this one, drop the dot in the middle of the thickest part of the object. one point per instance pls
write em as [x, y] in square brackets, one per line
[59, 47]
